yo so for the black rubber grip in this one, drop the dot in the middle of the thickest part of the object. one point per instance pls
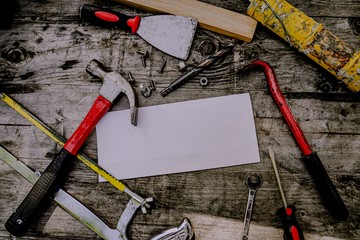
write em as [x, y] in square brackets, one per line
[45, 187]
[326, 187]
[104, 17]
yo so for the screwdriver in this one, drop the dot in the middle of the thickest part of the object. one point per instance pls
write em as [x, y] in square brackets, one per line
[292, 230]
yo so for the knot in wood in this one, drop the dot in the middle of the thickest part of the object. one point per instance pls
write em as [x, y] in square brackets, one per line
[15, 55]
[207, 47]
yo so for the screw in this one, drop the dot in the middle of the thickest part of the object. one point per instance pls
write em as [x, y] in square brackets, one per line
[144, 56]
[143, 60]
[161, 69]
[152, 86]
[131, 78]
[140, 52]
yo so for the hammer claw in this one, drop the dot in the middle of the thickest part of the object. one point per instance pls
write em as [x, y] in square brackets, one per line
[113, 85]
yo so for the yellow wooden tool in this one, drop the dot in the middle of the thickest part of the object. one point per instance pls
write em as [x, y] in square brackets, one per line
[210, 17]
[310, 38]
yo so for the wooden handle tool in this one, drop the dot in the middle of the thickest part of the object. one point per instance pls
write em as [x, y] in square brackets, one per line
[210, 17]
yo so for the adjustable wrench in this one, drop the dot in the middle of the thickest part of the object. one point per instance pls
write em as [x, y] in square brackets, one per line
[253, 182]
[113, 85]
[75, 208]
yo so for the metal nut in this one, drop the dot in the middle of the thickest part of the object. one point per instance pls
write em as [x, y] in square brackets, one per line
[204, 81]
[181, 66]
[145, 91]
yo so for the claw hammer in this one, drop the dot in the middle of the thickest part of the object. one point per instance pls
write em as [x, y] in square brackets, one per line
[113, 84]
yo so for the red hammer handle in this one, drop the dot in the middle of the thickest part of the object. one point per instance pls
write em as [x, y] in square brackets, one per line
[47, 185]
[100, 107]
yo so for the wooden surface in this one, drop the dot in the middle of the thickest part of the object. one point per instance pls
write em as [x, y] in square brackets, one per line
[210, 17]
[49, 78]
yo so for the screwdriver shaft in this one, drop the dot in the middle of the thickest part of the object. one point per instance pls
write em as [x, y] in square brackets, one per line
[272, 156]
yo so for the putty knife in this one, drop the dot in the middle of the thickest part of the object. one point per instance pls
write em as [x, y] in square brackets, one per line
[168, 33]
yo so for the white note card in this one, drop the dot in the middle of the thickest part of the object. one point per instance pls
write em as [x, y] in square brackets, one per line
[178, 137]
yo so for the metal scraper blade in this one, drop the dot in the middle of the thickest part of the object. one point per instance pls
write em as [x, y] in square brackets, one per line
[171, 34]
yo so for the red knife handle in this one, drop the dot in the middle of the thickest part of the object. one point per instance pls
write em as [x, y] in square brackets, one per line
[97, 111]
[326, 187]
[45, 187]
[108, 18]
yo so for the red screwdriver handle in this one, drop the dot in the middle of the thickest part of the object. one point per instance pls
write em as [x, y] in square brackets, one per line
[48, 183]
[108, 18]
[292, 230]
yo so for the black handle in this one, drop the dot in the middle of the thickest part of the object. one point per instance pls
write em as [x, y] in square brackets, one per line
[292, 229]
[48, 183]
[108, 18]
[326, 188]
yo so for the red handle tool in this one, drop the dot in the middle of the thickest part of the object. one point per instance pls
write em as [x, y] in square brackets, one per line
[108, 18]
[113, 84]
[20, 220]
[292, 230]
[325, 186]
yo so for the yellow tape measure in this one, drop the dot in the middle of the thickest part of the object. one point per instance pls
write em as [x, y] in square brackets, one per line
[61, 141]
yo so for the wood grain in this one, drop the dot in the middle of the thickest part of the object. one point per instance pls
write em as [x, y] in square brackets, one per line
[210, 17]
[51, 81]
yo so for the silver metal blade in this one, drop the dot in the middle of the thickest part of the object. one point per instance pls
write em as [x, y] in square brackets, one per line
[66, 201]
[272, 157]
[171, 34]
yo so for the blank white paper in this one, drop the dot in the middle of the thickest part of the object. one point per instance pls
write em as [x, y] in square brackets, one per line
[178, 137]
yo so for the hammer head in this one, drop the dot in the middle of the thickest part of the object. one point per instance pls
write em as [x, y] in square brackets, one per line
[113, 85]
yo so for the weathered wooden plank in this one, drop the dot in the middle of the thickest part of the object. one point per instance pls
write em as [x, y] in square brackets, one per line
[68, 10]
[51, 81]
